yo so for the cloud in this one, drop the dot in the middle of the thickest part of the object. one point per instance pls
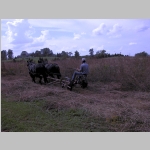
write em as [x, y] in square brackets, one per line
[35, 34]
[99, 30]
[83, 33]
[116, 28]
[42, 37]
[132, 43]
[100, 47]
[142, 28]
[76, 36]
[82, 50]
[16, 33]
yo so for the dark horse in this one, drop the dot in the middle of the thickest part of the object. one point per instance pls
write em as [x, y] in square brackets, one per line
[37, 70]
[51, 69]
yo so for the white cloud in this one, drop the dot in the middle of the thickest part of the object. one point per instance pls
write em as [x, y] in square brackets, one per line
[115, 36]
[99, 30]
[15, 22]
[93, 46]
[42, 37]
[82, 50]
[100, 47]
[83, 33]
[142, 28]
[132, 43]
[116, 28]
[5, 44]
[16, 31]
[76, 36]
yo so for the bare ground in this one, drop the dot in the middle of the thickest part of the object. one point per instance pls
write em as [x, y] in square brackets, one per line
[126, 111]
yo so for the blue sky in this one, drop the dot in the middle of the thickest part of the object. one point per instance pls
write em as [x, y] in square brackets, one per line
[125, 36]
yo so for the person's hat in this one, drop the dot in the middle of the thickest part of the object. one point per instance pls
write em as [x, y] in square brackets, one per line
[83, 59]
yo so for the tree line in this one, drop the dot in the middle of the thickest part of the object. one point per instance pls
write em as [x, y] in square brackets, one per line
[47, 52]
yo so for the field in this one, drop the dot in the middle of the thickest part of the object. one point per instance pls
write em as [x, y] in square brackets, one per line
[117, 98]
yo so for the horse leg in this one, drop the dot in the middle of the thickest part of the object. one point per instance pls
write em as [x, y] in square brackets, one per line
[52, 75]
[45, 79]
[32, 76]
[33, 80]
[59, 76]
[40, 81]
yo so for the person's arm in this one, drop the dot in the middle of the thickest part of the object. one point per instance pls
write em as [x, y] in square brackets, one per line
[79, 69]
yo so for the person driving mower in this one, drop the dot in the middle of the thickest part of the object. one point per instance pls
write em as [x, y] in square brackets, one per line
[83, 70]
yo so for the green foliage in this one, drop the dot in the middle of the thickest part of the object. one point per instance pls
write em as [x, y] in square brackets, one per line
[91, 51]
[10, 54]
[3, 54]
[76, 54]
[46, 52]
[37, 53]
[141, 54]
[64, 54]
[29, 117]
[24, 54]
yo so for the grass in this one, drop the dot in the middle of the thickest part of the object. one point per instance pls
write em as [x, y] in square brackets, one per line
[117, 98]
[29, 117]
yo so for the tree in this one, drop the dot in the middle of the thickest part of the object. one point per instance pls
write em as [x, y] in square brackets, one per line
[3, 54]
[58, 55]
[101, 54]
[76, 54]
[32, 54]
[51, 53]
[37, 53]
[91, 51]
[10, 54]
[70, 54]
[64, 54]
[141, 54]
[24, 54]
[46, 52]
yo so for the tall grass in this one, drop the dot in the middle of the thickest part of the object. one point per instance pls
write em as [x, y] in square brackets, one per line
[14, 68]
[131, 72]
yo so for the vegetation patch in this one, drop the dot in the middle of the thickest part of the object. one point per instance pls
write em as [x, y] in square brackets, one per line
[117, 97]
[29, 117]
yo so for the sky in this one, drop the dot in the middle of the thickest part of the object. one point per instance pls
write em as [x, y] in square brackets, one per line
[125, 36]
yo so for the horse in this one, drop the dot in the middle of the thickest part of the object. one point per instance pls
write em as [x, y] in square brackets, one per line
[51, 68]
[37, 70]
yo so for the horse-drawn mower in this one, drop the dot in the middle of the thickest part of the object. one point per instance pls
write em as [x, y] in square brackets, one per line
[48, 71]
[64, 82]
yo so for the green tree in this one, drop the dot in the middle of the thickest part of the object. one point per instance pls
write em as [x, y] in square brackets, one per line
[10, 54]
[37, 53]
[70, 54]
[101, 54]
[3, 54]
[64, 54]
[24, 54]
[32, 54]
[76, 54]
[141, 54]
[91, 51]
[58, 55]
[46, 52]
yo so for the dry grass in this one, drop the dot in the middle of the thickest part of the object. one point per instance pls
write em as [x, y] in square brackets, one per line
[124, 111]
[118, 91]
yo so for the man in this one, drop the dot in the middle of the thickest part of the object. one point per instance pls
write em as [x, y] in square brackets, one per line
[84, 70]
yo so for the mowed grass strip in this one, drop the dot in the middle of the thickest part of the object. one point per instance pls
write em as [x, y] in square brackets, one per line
[31, 117]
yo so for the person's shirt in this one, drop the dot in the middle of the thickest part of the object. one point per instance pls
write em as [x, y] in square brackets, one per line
[84, 68]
